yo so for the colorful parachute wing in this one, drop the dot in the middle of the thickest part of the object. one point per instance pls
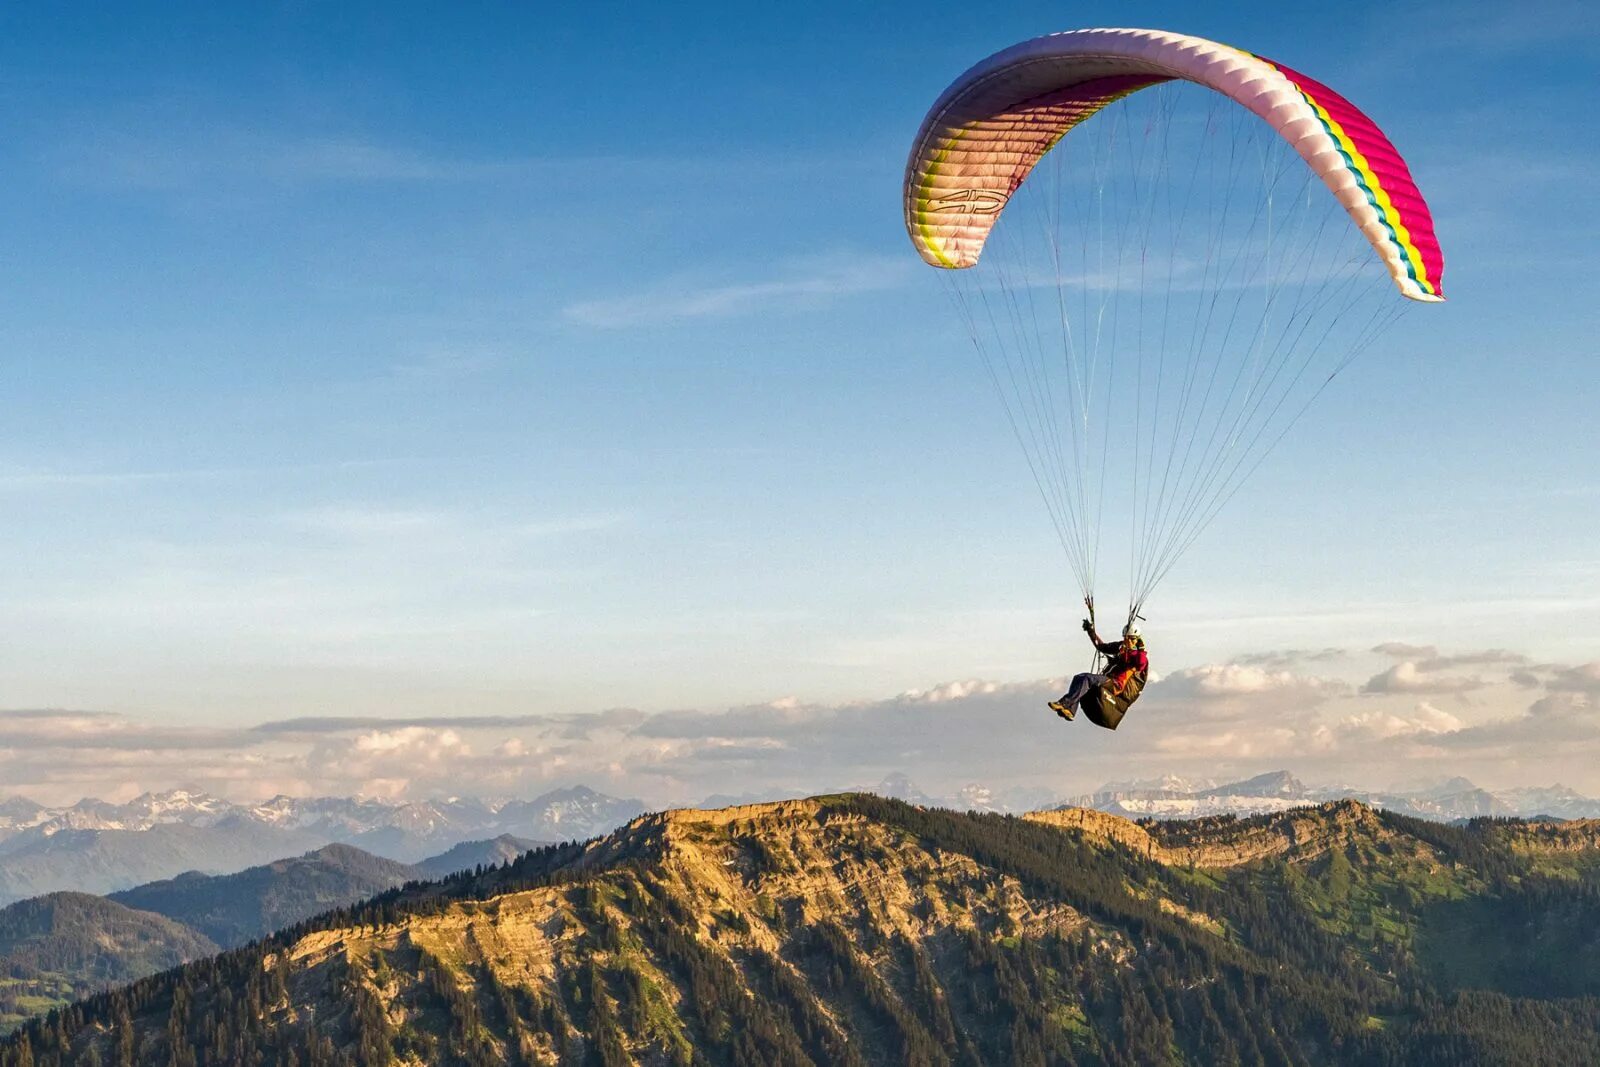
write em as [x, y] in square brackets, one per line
[987, 131]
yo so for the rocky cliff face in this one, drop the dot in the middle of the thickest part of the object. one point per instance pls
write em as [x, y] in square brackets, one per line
[1576, 836]
[1300, 835]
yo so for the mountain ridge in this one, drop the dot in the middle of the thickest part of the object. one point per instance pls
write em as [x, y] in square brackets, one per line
[854, 929]
[193, 909]
[62, 946]
[231, 909]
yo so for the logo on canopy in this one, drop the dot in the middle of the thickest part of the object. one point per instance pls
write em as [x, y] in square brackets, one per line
[969, 202]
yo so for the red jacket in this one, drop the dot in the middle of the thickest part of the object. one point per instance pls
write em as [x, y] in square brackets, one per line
[1126, 661]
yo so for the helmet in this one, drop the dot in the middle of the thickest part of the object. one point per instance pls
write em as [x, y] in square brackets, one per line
[1131, 630]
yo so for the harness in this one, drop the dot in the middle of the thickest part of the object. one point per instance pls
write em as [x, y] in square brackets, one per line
[1106, 705]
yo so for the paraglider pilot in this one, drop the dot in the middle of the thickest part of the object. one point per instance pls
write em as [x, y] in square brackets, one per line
[1126, 669]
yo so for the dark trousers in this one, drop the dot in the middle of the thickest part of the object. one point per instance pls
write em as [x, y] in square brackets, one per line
[1080, 688]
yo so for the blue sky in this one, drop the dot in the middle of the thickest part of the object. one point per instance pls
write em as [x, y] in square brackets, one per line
[419, 361]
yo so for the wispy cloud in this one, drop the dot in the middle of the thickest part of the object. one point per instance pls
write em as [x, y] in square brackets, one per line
[359, 521]
[21, 479]
[1237, 680]
[1403, 650]
[1564, 721]
[178, 145]
[1407, 677]
[156, 157]
[805, 284]
[356, 521]
[28, 478]
[61, 729]
[1494, 29]
[442, 365]
[412, 585]
[1429, 672]
[1580, 679]
[346, 724]
[1288, 658]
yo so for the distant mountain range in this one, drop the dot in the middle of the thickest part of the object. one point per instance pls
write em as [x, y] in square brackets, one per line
[471, 854]
[1448, 801]
[1174, 797]
[95, 846]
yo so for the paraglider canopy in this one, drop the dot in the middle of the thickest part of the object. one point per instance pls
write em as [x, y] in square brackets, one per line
[1165, 282]
[988, 130]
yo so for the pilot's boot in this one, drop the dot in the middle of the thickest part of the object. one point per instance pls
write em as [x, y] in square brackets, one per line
[1063, 709]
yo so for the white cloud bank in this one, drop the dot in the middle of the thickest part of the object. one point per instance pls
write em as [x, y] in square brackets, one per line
[1238, 717]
